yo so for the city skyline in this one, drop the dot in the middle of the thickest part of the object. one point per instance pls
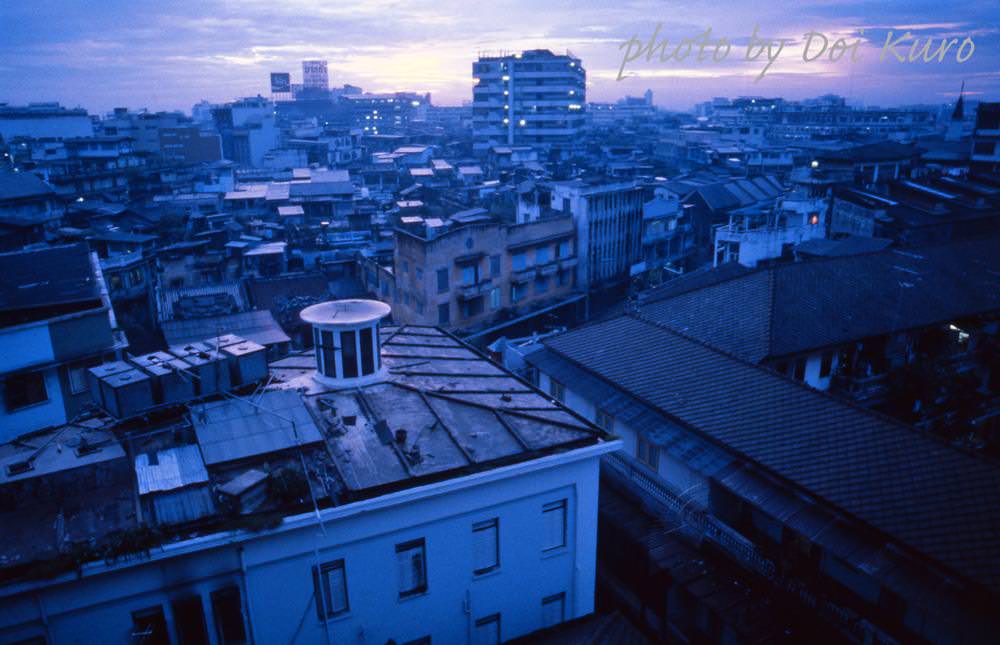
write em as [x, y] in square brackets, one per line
[143, 55]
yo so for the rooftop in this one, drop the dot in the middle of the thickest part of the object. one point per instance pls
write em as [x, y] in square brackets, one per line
[920, 492]
[778, 310]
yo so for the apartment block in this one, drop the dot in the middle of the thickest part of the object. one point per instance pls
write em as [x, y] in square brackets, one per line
[533, 98]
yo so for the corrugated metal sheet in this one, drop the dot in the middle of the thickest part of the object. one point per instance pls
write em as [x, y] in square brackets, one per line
[229, 430]
[174, 468]
[180, 506]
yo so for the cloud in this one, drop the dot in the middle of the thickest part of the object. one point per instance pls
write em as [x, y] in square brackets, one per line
[168, 55]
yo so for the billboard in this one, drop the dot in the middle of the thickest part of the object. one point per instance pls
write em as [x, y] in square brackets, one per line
[281, 82]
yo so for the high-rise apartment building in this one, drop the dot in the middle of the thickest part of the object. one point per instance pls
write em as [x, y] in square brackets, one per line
[533, 98]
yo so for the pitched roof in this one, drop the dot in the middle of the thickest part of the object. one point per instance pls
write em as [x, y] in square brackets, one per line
[22, 185]
[921, 492]
[53, 276]
[803, 306]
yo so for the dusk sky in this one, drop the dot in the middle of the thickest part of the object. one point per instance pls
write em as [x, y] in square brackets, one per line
[169, 55]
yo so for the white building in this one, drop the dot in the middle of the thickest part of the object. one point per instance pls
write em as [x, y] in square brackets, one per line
[56, 321]
[533, 98]
[608, 218]
[44, 120]
[423, 514]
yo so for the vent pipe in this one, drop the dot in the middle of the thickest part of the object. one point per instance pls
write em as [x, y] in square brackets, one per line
[347, 342]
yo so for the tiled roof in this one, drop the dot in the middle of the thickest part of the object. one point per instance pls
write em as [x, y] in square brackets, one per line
[803, 306]
[915, 489]
[22, 185]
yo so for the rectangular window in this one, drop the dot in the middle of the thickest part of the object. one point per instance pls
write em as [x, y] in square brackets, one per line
[468, 275]
[519, 261]
[605, 421]
[517, 292]
[495, 298]
[542, 255]
[647, 453]
[554, 525]
[444, 313]
[826, 364]
[800, 369]
[486, 546]
[189, 620]
[541, 285]
[149, 626]
[562, 278]
[562, 251]
[488, 630]
[330, 589]
[494, 265]
[557, 390]
[349, 354]
[22, 390]
[411, 559]
[228, 611]
[442, 275]
[553, 610]
[368, 350]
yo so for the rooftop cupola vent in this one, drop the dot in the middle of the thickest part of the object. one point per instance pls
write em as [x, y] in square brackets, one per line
[346, 337]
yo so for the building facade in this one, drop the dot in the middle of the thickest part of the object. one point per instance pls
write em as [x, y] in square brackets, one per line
[534, 98]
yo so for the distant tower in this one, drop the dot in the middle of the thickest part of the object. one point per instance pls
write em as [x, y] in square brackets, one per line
[957, 121]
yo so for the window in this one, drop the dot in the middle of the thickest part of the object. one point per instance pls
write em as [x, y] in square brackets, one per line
[541, 284]
[541, 255]
[444, 313]
[149, 627]
[519, 261]
[495, 298]
[22, 390]
[349, 354]
[800, 369]
[412, 563]
[368, 349]
[554, 525]
[562, 251]
[494, 265]
[406, 266]
[468, 275]
[826, 364]
[647, 453]
[442, 275]
[486, 546]
[228, 612]
[330, 589]
[557, 390]
[488, 630]
[562, 278]
[517, 292]
[553, 610]
[189, 620]
[605, 421]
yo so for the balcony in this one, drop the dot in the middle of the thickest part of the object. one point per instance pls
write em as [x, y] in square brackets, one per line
[548, 269]
[473, 291]
[523, 275]
[567, 263]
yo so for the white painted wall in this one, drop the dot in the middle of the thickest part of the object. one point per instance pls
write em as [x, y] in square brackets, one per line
[97, 608]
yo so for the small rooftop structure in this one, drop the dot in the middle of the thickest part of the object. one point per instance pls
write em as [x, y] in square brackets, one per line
[346, 337]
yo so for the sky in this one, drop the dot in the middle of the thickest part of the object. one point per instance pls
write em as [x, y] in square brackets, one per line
[170, 54]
